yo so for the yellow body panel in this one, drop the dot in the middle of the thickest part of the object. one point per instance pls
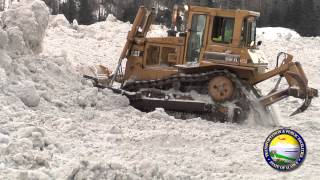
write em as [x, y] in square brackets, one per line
[159, 57]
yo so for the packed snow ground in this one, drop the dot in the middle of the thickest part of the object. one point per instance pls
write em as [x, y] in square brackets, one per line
[53, 125]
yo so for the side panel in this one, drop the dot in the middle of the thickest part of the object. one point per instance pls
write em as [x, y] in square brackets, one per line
[157, 60]
[136, 71]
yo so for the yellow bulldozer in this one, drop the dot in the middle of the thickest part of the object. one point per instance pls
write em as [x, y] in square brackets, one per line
[210, 68]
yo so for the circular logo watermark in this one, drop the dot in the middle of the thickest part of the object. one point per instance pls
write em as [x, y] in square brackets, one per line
[284, 150]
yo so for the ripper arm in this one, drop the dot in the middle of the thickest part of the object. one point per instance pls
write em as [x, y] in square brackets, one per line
[297, 81]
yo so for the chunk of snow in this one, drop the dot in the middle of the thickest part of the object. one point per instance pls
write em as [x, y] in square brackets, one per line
[27, 132]
[75, 24]
[115, 130]
[26, 25]
[111, 18]
[27, 93]
[59, 20]
[5, 61]
[34, 174]
[4, 139]
[17, 44]
[19, 146]
[3, 38]
[37, 140]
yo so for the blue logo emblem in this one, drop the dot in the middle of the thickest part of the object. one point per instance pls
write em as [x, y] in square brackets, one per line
[285, 150]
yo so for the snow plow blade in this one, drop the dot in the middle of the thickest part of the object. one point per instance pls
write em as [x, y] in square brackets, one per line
[99, 74]
[216, 112]
[297, 81]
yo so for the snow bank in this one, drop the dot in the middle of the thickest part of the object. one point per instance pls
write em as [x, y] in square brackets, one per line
[22, 32]
[38, 89]
[278, 33]
[99, 43]
[25, 26]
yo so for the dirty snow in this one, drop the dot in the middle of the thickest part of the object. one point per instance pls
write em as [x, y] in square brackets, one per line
[54, 125]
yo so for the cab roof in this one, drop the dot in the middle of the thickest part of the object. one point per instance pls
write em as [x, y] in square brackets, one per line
[218, 11]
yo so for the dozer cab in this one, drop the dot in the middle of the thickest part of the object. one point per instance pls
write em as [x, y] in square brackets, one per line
[211, 68]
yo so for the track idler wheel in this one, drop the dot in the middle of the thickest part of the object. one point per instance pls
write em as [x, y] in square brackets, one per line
[221, 89]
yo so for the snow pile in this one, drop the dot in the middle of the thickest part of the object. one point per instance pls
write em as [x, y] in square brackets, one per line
[59, 20]
[278, 33]
[94, 44]
[44, 109]
[22, 33]
[25, 26]
[100, 43]
[36, 90]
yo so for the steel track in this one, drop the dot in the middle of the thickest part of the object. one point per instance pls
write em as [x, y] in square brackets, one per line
[155, 92]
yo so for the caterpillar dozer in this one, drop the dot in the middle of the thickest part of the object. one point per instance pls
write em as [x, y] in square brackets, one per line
[211, 68]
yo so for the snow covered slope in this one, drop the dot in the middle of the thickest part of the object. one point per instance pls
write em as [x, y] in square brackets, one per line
[53, 125]
[100, 43]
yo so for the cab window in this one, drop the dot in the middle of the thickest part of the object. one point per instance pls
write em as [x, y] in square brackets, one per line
[195, 41]
[248, 34]
[223, 29]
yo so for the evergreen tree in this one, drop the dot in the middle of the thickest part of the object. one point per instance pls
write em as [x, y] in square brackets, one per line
[64, 9]
[301, 15]
[275, 16]
[53, 5]
[86, 12]
[294, 14]
[72, 10]
[69, 9]
[309, 21]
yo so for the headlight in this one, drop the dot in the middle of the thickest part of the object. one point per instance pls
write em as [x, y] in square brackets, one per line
[186, 7]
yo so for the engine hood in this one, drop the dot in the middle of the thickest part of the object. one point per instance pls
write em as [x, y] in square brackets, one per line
[258, 56]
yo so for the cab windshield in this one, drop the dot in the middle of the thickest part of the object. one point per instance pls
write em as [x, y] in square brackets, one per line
[249, 31]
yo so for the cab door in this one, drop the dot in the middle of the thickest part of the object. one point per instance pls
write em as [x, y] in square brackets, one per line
[195, 37]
